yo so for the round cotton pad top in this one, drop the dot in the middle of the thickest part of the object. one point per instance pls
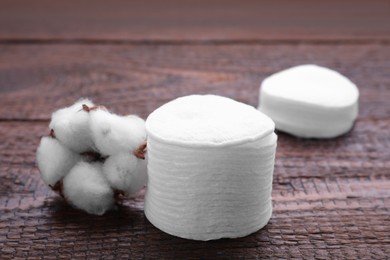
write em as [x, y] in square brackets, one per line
[310, 101]
[207, 120]
[210, 168]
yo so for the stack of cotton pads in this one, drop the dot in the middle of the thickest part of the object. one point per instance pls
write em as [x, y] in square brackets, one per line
[210, 168]
[310, 101]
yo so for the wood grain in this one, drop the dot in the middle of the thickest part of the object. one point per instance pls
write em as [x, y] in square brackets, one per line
[331, 198]
[196, 21]
[37, 79]
[324, 207]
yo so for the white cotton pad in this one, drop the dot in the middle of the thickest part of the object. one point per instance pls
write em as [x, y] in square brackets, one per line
[310, 101]
[210, 168]
[54, 160]
[125, 172]
[114, 134]
[71, 126]
[86, 188]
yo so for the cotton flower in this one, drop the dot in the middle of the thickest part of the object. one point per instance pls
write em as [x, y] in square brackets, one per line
[125, 172]
[92, 156]
[87, 189]
[114, 134]
[70, 126]
[54, 160]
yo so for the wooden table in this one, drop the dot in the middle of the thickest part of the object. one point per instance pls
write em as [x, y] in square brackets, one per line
[331, 198]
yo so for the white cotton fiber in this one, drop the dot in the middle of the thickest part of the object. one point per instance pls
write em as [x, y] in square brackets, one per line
[86, 188]
[210, 168]
[125, 172]
[54, 160]
[114, 134]
[92, 156]
[310, 101]
[71, 126]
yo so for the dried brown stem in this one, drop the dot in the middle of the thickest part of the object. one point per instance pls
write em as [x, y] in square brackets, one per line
[140, 151]
[88, 109]
[58, 187]
[52, 134]
[118, 195]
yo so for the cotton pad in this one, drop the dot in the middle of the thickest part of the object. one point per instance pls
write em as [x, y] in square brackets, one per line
[210, 168]
[310, 101]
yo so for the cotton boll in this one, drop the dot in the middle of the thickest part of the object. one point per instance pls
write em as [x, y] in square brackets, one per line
[125, 172]
[71, 126]
[87, 189]
[114, 134]
[54, 160]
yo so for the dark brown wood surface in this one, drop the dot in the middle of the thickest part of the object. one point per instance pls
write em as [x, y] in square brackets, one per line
[331, 198]
[194, 21]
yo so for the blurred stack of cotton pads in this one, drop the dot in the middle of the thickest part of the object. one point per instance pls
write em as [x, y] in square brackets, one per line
[210, 168]
[310, 101]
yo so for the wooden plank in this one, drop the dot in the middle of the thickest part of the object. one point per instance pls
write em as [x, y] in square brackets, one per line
[321, 215]
[37, 79]
[353, 155]
[199, 21]
[331, 197]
